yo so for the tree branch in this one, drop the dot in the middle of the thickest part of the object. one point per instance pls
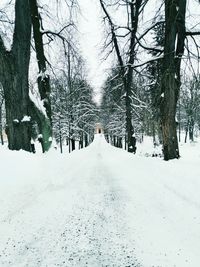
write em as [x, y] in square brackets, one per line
[192, 33]
[149, 29]
[114, 37]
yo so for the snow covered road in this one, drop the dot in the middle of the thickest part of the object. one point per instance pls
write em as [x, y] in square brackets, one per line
[99, 207]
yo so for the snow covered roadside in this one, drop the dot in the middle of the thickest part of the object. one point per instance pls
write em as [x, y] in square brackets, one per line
[163, 207]
[99, 207]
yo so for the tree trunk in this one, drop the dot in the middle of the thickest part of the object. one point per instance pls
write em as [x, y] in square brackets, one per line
[127, 71]
[81, 140]
[179, 122]
[125, 143]
[1, 126]
[119, 142]
[191, 130]
[134, 13]
[131, 140]
[186, 131]
[168, 112]
[173, 51]
[153, 132]
[43, 78]
[14, 77]
[114, 140]
[43, 124]
[60, 137]
[86, 139]
[73, 144]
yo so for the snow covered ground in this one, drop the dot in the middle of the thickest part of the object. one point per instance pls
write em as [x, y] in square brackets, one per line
[99, 207]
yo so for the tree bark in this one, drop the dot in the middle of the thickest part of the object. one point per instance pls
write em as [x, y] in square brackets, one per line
[134, 13]
[60, 137]
[86, 139]
[186, 131]
[14, 78]
[127, 71]
[81, 140]
[191, 129]
[173, 51]
[1, 126]
[43, 78]
[73, 143]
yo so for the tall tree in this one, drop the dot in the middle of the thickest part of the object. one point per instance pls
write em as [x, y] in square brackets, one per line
[44, 122]
[134, 9]
[14, 78]
[170, 85]
[1, 113]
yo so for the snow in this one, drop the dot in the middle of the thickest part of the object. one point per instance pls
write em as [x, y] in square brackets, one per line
[176, 41]
[99, 206]
[43, 74]
[38, 102]
[26, 118]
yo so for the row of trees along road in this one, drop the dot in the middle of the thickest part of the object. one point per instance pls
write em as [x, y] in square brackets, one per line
[40, 30]
[141, 93]
[161, 74]
[73, 107]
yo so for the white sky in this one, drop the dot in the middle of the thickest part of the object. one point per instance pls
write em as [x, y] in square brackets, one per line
[91, 41]
[92, 37]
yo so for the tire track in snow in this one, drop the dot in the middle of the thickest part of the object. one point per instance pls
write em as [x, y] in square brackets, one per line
[99, 237]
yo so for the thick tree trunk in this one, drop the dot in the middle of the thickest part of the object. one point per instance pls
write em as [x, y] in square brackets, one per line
[43, 78]
[1, 126]
[42, 122]
[173, 51]
[14, 77]
[16, 103]
[168, 112]
[134, 13]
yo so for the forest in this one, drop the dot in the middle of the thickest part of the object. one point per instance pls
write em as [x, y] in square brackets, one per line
[150, 89]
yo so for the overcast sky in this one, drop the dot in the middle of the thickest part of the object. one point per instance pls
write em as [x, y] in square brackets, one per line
[91, 30]
[92, 37]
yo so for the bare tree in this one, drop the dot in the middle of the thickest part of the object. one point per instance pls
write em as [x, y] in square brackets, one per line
[14, 78]
[171, 81]
[189, 105]
[134, 9]
[1, 113]
[44, 123]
